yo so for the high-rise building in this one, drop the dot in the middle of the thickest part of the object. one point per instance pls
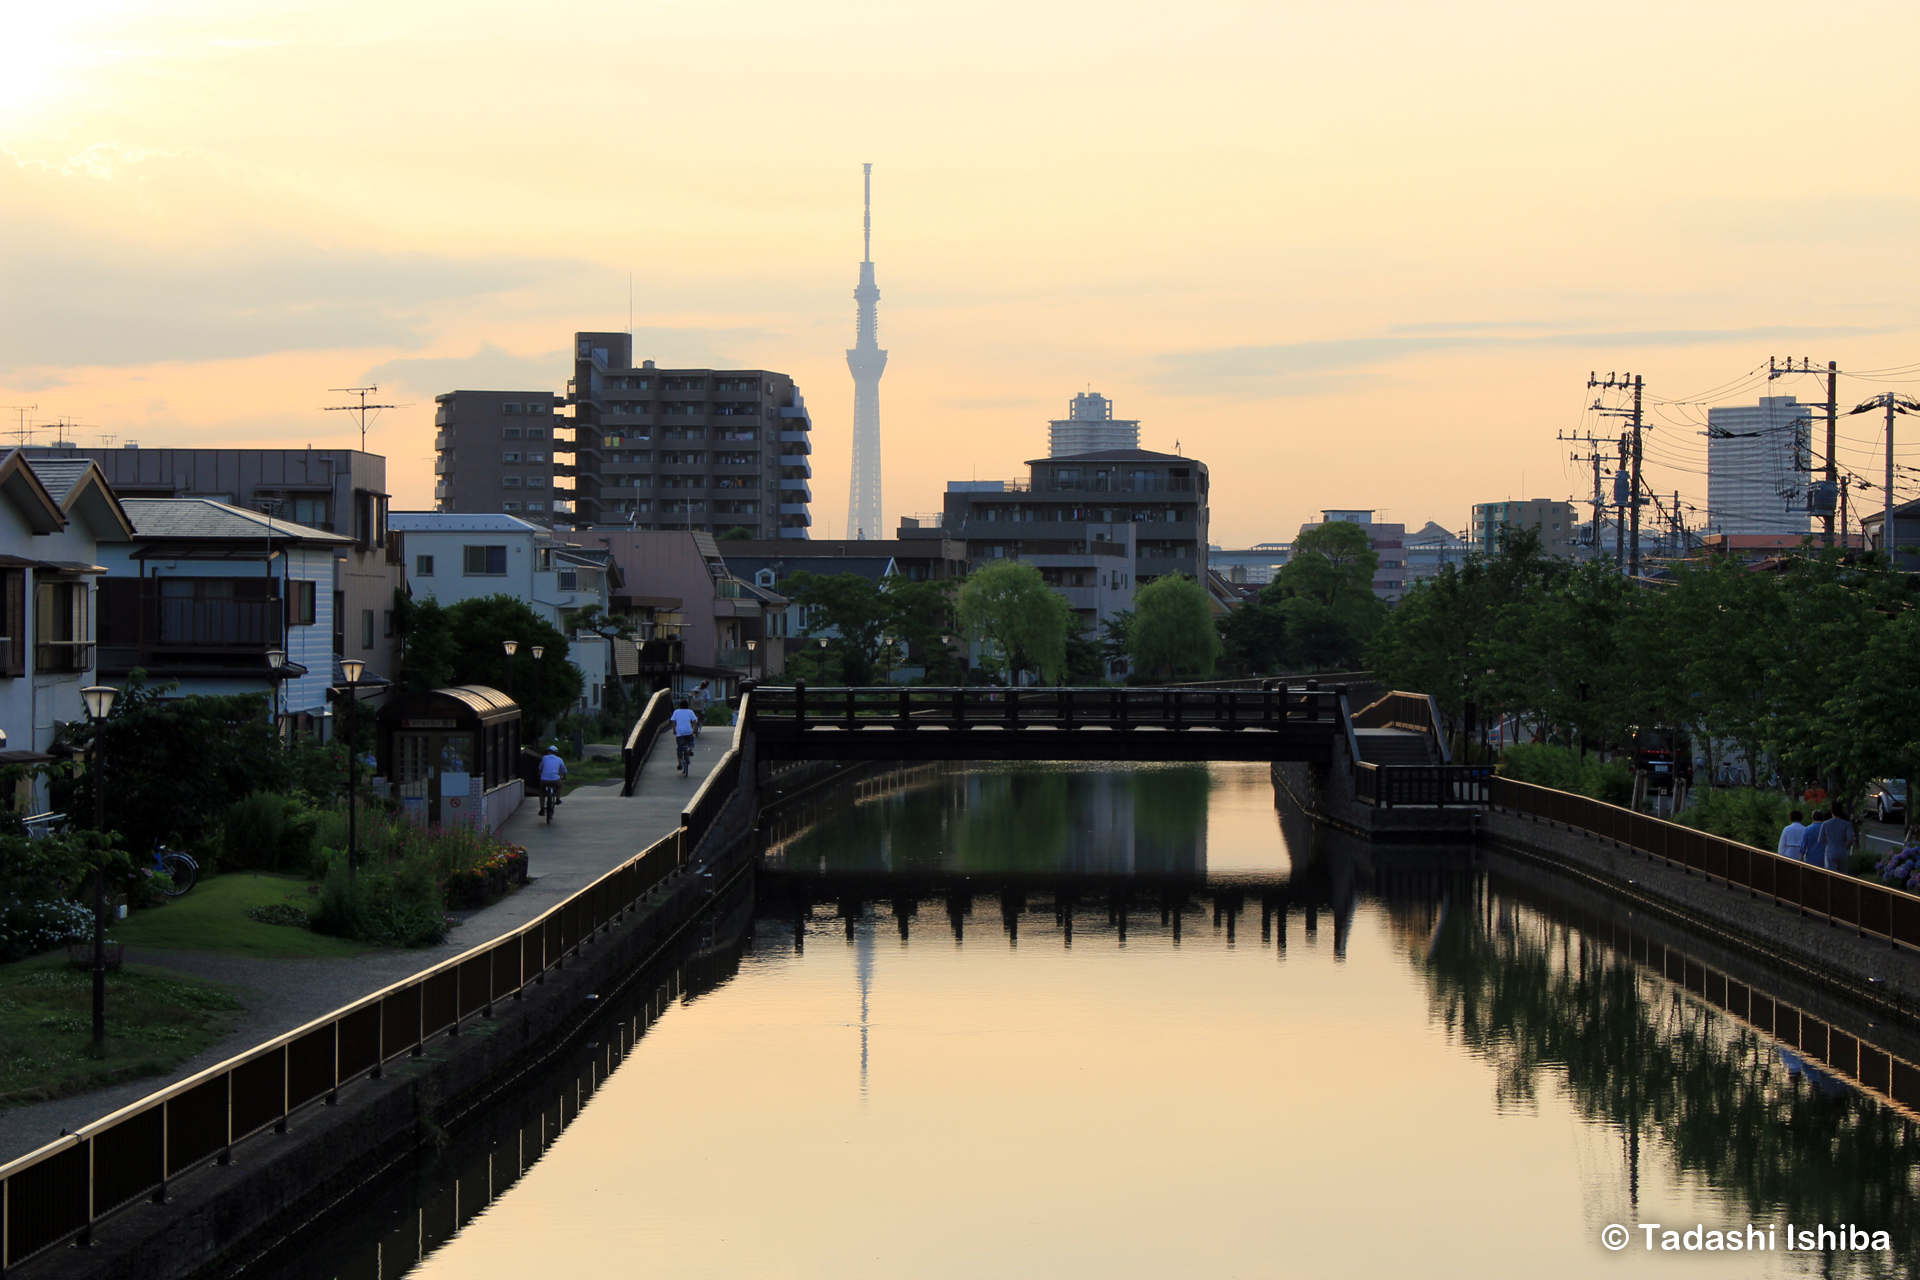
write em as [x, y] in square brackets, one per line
[1756, 461]
[1090, 426]
[866, 362]
[494, 451]
[701, 450]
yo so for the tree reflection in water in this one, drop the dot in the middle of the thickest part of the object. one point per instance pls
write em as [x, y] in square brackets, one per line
[1542, 1000]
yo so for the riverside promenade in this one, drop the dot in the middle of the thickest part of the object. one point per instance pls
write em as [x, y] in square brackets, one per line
[594, 831]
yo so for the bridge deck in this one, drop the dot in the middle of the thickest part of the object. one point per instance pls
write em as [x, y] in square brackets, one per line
[1045, 724]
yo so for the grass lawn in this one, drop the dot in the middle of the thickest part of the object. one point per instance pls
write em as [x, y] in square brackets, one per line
[213, 918]
[589, 770]
[155, 1022]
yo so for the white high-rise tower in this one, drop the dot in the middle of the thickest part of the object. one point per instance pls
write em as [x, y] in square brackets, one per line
[866, 361]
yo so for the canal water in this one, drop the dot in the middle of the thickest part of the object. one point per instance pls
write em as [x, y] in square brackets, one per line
[1054, 1021]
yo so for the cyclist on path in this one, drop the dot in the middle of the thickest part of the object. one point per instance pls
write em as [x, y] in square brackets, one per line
[552, 770]
[685, 723]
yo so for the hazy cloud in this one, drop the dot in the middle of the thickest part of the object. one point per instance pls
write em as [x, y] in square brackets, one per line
[1300, 368]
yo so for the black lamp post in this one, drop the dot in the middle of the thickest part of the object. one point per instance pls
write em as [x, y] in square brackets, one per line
[277, 664]
[353, 668]
[751, 644]
[512, 647]
[99, 701]
[539, 650]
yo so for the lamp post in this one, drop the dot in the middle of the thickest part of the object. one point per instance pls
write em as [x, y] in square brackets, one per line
[353, 668]
[751, 644]
[946, 647]
[99, 701]
[823, 660]
[539, 650]
[276, 663]
[512, 647]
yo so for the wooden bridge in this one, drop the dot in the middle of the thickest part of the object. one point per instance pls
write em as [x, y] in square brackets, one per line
[901, 723]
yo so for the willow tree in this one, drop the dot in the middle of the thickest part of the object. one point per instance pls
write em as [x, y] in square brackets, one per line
[1023, 622]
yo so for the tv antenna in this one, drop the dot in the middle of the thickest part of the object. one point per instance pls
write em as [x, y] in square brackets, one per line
[359, 409]
[23, 430]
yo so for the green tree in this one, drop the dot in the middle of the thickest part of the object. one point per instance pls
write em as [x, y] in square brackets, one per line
[852, 606]
[428, 648]
[736, 534]
[1023, 622]
[1173, 628]
[480, 628]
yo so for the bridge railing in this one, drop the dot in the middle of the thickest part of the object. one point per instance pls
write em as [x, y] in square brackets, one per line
[1414, 712]
[790, 711]
[1431, 785]
[60, 1191]
[1877, 909]
[657, 716]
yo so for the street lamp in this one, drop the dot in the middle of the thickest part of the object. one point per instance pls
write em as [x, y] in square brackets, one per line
[751, 644]
[99, 701]
[823, 659]
[539, 651]
[276, 663]
[512, 647]
[353, 668]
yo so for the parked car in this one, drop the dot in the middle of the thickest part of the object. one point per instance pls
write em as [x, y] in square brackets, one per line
[1888, 798]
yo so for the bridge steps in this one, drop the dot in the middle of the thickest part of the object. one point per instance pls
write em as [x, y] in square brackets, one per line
[1395, 746]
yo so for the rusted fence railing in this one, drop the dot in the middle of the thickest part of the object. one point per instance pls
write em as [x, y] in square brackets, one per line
[1444, 785]
[1873, 909]
[59, 1192]
[657, 716]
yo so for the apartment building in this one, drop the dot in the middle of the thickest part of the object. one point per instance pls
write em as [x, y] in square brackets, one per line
[1090, 427]
[1097, 525]
[1556, 522]
[1757, 465]
[686, 450]
[340, 491]
[1391, 575]
[494, 452]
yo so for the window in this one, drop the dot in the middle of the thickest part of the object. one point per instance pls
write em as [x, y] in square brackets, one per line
[60, 630]
[423, 566]
[509, 406]
[510, 482]
[509, 433]
[369, 518]
[536, 482]
[489, 562]
[312, 512]
[569, 579]
[536, 457]
[389, 624]
[536, 433]
[536, 506]
[366, 628]
[509, 506]
[13, 620]
[302, 604]
[510, 456]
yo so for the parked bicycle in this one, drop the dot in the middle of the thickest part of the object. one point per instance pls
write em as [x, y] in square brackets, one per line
[178, 868]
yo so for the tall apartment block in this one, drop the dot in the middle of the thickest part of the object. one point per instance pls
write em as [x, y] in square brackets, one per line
[701, 450]
[1556, 522]
[1090, 427]
[494, 451]
[1756, 459]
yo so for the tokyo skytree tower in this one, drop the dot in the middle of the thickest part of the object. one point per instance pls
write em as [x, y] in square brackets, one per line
[866, 361]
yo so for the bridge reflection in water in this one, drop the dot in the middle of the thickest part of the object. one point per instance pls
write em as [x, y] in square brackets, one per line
[1689, 1074]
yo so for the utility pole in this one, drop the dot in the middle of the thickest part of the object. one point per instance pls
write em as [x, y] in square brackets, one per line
[1634, 383]
[1595, 457]
[1893, 404]
[360, 408]
[1779, 369]
[1621, 497]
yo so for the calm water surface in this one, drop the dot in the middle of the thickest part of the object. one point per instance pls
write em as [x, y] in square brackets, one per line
[1096, 1021]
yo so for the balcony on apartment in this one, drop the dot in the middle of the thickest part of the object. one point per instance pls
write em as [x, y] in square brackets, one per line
[186, 626]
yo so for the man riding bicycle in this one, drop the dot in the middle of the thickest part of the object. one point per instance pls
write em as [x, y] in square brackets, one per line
[552, 770]
[685, 723]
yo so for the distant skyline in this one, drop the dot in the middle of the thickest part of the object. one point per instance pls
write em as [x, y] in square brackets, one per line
[1350, 256]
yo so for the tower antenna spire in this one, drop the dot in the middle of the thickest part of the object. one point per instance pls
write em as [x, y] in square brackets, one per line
[866, 361]
[866, 216]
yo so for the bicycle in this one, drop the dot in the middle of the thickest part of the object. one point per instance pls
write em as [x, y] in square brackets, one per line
[180, 868]
[684, 746]
[549, 799]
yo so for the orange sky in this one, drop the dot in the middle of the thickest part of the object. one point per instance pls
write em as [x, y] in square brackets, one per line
[1354, 255]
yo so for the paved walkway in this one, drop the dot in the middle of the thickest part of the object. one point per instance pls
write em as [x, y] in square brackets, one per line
[594, 830]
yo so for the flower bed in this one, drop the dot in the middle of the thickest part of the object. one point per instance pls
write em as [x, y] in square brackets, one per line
[485, 881]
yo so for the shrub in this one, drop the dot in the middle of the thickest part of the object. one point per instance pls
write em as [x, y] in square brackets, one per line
[1746, 814]
[266, 831]
[1900, 868]
[393, 904]
[28, 928]
[1564, 769]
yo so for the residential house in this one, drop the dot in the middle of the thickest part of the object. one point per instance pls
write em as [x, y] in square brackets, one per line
[696, 618]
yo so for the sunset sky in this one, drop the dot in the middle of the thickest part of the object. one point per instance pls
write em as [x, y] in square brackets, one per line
[1355, 255]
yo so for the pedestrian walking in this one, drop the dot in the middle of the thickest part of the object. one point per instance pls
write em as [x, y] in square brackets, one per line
[1790, 836]
[1810, 838]
[1837, 836]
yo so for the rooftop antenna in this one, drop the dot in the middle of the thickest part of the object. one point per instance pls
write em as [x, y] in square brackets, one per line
[21, 432]
[359, 409]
